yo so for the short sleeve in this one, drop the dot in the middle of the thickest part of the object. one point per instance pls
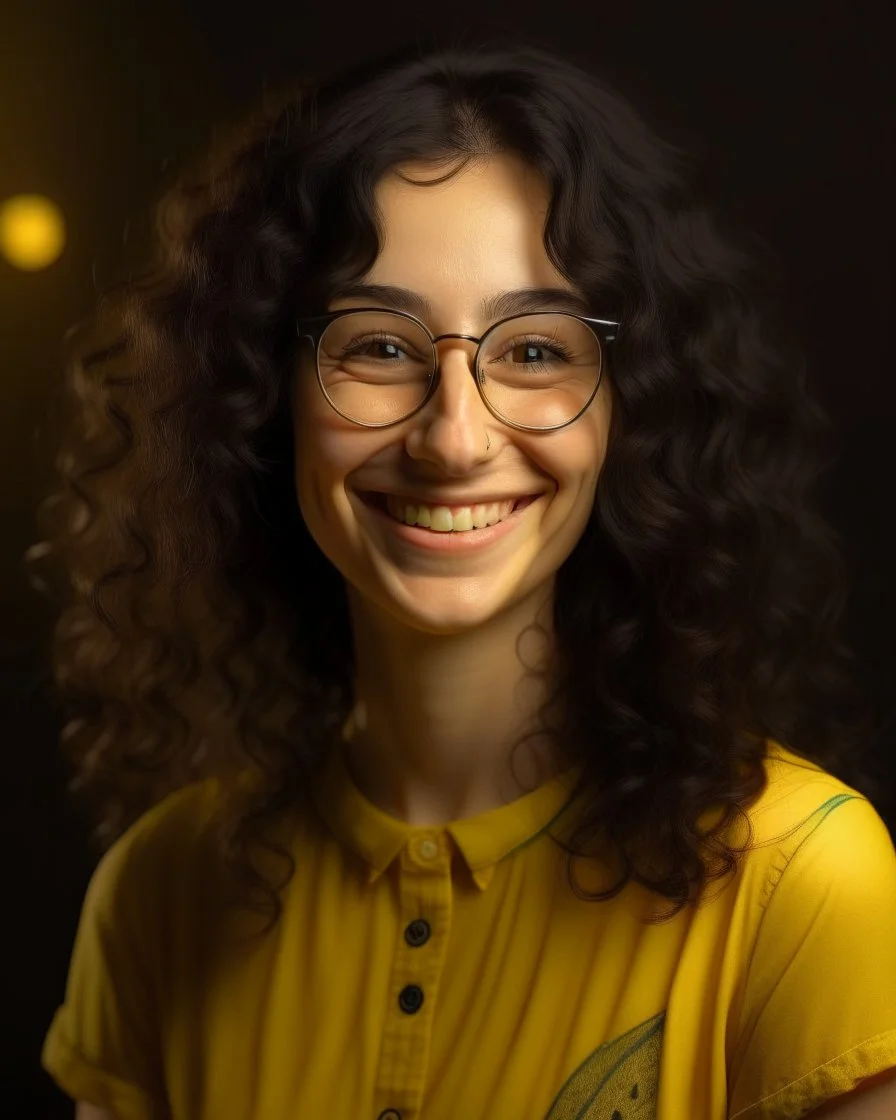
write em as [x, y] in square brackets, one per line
[819, 1007]
[103, 1043]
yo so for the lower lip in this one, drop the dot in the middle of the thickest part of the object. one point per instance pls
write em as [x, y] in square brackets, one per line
[465, 541]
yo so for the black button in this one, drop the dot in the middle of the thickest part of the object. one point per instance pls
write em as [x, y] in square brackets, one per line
[417, 933]
[389, 1114]
[410, 999]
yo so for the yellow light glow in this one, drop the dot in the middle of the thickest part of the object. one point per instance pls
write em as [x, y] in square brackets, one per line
[32, 231]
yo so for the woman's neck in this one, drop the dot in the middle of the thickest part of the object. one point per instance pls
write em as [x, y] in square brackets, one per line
[437, 716]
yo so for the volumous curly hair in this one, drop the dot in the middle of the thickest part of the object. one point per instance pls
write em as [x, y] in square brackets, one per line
[202, 633]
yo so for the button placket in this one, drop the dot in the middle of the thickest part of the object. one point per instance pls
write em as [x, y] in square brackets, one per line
[425, 891]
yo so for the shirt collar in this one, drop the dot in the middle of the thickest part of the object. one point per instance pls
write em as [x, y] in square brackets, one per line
[482, 840]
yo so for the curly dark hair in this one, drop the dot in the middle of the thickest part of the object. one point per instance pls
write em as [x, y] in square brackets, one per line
[202, 633]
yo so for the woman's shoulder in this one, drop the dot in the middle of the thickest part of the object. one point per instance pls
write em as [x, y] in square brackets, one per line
[798, 790]
[162, 844]
[801, 800]
[174, 852]
[182, 816]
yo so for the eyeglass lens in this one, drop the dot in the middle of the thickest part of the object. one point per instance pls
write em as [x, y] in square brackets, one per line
[538, 371]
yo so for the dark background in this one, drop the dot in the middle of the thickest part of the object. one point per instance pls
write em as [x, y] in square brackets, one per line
[790, 108]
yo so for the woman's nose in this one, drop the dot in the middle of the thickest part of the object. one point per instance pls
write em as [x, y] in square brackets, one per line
[451, 431]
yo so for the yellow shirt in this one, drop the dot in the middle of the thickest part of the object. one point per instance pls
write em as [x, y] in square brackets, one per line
[449, 973]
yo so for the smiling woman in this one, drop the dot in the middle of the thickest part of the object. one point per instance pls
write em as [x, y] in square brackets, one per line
[421, 406]
[435, 526]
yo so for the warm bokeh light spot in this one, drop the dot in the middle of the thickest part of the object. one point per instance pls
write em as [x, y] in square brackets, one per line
[32, 231]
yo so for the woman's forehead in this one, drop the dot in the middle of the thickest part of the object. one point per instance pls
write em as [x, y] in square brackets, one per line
[485, 183]
[478, 233]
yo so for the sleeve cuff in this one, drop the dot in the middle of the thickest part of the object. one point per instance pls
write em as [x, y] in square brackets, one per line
[83, 1081]
[831, 1079]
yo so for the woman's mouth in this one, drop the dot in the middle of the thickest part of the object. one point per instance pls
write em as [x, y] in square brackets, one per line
[445, 519]
[435, 522]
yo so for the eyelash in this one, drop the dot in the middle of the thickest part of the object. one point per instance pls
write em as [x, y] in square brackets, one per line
[548, 344]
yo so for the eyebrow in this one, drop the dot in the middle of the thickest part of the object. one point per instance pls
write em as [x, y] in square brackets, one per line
[503, 304]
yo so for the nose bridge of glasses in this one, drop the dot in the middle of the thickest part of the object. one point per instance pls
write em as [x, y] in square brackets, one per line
[465, 337]
[462, 337]
[469, 352]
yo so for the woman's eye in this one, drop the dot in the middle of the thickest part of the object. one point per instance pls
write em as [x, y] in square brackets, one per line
[525, 352]
[376, 349]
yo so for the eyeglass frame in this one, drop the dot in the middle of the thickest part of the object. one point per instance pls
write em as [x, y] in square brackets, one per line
[600, 328]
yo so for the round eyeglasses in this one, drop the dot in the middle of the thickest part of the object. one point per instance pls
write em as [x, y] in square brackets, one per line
[536, 372]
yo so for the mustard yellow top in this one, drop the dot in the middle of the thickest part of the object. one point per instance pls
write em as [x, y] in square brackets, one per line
[449, 973]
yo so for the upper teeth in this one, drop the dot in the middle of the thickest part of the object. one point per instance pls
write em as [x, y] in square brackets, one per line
[443, 520]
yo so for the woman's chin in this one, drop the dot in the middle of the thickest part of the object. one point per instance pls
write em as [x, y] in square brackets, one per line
[458, 607]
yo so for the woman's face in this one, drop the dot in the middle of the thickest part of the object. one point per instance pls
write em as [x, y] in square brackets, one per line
[457, 244]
